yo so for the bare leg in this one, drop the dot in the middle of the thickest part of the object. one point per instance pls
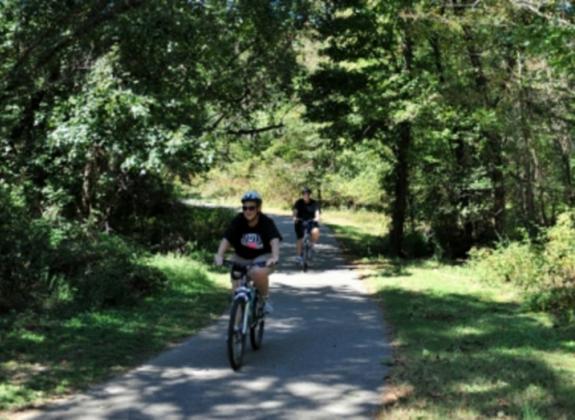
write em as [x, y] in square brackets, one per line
[298, 247]
[314, 236]
[260, 277]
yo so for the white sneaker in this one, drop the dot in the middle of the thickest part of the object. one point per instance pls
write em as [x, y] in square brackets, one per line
[268, 308]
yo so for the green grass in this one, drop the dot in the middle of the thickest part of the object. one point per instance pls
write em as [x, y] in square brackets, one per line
[54, 354]
[463, 349]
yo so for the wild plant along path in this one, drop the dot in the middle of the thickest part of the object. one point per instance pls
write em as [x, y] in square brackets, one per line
[321, 357]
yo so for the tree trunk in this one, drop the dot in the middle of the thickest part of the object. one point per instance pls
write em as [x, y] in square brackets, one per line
[494, 141]
[401, 189]
[401, 170]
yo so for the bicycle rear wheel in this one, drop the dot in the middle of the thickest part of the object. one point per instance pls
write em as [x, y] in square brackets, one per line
[236, 338]
[258, 324]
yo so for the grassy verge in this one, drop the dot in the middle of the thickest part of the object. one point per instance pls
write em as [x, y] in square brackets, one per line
[53, 355]
[463, 349]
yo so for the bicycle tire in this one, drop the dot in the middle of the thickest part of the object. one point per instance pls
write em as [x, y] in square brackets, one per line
[258, 325]
[236, 341]
[305, 264]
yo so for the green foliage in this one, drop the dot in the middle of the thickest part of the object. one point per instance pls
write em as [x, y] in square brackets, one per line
[96, 101]
[177, 227]
[462, 349]
[558, 295]
[104, 271]
[102, 105]
[471, 102]
[516, 262]
[26, 255]
[56, 353]
[107, 133]
[356, 180]
[545, 271]
[299, 156]
[45, 265]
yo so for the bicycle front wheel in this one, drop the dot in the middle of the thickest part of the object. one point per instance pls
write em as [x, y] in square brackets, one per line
[258, 325]
[236, 338]
[306, 248]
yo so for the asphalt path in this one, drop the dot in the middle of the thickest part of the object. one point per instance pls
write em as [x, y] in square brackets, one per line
[321, 357]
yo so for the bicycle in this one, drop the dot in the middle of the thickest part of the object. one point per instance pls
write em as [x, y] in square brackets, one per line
[306, 248]
[246, 313]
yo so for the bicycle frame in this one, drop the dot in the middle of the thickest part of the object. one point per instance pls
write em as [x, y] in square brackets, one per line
[307, 227]
[245, 316]
[246, 291]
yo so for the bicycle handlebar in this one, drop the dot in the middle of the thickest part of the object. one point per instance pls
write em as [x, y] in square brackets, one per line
[231, 263]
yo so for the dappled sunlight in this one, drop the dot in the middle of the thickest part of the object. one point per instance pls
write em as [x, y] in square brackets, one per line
[485, 355]
[321, 357]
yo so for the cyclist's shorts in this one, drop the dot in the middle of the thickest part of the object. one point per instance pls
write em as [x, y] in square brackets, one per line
[299, 228]
[262, 258]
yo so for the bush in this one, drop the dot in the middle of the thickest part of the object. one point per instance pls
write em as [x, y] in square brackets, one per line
[558, 295]
[42, 264]
[178, 227]
[105, 271]
[545, 272]
[516, 262]
[26, 255]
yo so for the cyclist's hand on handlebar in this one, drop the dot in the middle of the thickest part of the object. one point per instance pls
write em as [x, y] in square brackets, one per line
[271, 262]
[218, 260]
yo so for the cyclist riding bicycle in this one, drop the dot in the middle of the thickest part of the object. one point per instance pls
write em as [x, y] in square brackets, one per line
[255, 239]
[305, 209]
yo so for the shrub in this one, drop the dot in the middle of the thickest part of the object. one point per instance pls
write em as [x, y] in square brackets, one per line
[104, 270]
[516, 262]
[545, 272]
[26, 254]
[178, 227]
[558, 294]
[43, 264]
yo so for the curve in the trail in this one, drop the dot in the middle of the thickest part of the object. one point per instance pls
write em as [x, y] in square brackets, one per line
[321, 358]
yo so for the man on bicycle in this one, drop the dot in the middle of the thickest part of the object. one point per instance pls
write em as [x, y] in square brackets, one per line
[255, 239]
[305, 209]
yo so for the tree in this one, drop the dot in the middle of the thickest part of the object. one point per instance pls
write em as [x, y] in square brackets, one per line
[118, 89]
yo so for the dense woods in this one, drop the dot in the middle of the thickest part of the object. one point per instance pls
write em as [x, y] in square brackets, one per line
[472, 102]
[102, 105]
[456, 118]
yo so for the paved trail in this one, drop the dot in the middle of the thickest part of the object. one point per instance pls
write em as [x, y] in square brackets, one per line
[321, 358]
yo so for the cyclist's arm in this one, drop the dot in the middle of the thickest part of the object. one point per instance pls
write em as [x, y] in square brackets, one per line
[222, 249]
[295, 219]
[275, 244]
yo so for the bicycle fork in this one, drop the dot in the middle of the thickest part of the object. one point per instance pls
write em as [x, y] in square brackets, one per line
[247, 313]
[244, 294]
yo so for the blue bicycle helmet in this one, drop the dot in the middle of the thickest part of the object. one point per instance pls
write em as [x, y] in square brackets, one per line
[252, 196]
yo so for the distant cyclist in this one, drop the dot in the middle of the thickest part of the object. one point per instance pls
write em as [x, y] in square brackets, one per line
[305, 209]
[255, 239]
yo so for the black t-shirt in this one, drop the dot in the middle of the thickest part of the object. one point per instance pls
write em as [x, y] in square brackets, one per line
[251, 242]
[306, 211]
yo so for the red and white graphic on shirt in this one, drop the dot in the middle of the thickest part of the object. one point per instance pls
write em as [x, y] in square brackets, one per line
[252, 241]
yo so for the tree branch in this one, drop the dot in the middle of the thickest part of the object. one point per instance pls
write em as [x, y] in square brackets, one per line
[243, 132]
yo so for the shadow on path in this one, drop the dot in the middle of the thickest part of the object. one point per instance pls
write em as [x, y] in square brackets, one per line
[321, 357]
